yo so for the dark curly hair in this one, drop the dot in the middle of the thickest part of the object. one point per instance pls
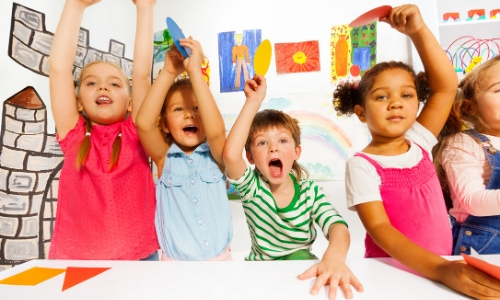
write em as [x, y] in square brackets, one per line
[346, 96]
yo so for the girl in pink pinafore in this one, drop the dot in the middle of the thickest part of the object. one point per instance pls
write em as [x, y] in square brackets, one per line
[392, 184]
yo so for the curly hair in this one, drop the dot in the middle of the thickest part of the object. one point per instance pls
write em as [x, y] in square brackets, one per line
[346, 96]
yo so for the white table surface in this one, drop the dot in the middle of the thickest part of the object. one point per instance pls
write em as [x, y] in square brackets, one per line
[381, 278]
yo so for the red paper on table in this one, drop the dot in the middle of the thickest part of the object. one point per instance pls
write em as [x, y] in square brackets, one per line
[76, 275]
[492, 270]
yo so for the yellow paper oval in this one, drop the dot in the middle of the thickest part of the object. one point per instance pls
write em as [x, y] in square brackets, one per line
[262, 58]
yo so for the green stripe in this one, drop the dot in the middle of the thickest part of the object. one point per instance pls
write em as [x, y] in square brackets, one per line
[273, 235]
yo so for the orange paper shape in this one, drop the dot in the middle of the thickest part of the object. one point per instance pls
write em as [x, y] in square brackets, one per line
[32, 276]
[76, 275]
[492, 270]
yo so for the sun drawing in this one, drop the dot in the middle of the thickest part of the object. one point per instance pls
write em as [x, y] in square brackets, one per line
[297, 57]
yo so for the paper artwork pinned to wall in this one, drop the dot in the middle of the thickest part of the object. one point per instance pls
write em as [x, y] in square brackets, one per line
[30, 163]
[353, 50]
[236, 51]
[30, 44]
[162, 41]
[297, 57]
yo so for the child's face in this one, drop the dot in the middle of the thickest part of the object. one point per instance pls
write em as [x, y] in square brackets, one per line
[183, 120]
[391, 105]
[104, 94]
[488, 99]
[273, 151]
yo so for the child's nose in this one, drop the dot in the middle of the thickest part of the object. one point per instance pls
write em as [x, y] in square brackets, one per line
[103, 86]
[396, 104]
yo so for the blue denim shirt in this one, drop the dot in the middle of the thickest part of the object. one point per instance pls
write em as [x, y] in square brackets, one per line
[193, 220]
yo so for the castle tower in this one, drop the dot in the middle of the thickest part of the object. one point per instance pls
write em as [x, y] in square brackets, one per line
[29, 162]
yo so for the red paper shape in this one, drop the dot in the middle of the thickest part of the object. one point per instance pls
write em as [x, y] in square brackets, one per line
[492, 270]
[371, 16]
[76, 275]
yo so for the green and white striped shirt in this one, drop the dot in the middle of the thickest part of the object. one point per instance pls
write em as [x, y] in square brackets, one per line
[277, 232]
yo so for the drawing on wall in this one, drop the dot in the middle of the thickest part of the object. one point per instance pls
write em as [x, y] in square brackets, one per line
[30, 162]
[162, 41]
[30, 42]
[320, 134]
[236, 51]
[353, 50]
[297, 57]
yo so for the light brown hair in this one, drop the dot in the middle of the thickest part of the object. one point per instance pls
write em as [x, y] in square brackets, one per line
[271, 118]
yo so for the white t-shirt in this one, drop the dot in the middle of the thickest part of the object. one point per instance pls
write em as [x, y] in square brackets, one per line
[362, 179]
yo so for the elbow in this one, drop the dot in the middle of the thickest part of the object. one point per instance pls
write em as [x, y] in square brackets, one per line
[229, 157]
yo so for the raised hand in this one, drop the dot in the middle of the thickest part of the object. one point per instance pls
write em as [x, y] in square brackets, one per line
[405, 19]
[255, 88]
[195, 60]
[87, 3]
[173, 63]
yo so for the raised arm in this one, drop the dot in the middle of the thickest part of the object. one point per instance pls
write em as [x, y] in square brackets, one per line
[454, 274]
[143, 53]
[211, 118]
[147, 117]
[62, 55]
[255, 91]
[442, 79]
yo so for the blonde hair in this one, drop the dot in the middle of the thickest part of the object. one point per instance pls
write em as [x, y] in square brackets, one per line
[83, 152]
[271, 118]
[180, 82]
[462, 116]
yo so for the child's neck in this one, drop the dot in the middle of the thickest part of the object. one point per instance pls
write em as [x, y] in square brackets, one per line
[283, 193]
[388, 147]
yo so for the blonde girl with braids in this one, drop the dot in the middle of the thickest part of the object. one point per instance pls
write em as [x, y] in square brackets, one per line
[468, 160]
[392, 183]
[106, 193]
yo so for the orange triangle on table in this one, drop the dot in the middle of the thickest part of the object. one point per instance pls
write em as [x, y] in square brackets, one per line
[76, 275]
[32, 276]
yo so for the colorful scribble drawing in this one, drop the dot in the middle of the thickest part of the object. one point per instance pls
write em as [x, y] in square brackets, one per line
[162, 41]
[236, 51]
[30, 162]
[30, 43]
[297, 57]
[353, 50]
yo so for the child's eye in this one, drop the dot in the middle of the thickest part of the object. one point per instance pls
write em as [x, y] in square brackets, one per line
[91, 83]
[283, 141]
[381, 97]
[261, 143]
[115, 84]
[178, 109]
[406, 96]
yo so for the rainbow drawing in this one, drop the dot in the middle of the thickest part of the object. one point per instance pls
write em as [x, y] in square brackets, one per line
[317, 127]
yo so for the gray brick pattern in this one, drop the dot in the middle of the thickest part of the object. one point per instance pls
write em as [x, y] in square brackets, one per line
[30, 44]
[30, 162]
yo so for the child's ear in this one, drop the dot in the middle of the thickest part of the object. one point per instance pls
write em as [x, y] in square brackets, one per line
[79, 104]
[249, 157]
[360, 112]
[469, 107]
[298, 150]
[129, 108]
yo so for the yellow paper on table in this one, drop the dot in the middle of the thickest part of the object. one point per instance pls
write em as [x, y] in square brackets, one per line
[262, 58]
[32, 276]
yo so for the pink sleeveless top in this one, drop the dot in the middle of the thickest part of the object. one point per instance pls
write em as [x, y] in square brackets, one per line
[414, 203]
[103, 214]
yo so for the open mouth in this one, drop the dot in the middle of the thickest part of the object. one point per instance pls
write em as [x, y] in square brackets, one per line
[103, 100]
[190, 129]
[276, 167]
